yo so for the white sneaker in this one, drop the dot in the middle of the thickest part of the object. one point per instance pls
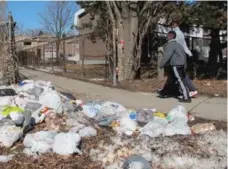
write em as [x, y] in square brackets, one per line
[193, 94]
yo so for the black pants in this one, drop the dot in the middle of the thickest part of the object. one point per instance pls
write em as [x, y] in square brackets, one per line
[175, 84]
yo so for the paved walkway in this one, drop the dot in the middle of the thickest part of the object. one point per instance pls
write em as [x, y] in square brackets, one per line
[210, 108]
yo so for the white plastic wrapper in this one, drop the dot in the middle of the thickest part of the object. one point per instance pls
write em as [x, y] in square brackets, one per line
[66, 143]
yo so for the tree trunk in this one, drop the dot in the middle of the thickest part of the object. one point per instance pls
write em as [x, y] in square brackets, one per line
[215, 50]
[57, 50]
[64, 57]
[114, 55]
[128, 62]
[43, 56]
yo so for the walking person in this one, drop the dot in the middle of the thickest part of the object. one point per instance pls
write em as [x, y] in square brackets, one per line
[175, 61]
[181, 40]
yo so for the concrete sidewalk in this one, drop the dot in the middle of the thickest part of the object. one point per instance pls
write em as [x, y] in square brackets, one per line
[209, 108]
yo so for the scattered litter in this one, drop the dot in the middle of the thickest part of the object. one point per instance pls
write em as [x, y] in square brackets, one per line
[67, 121]
[202, 128]
[6, 158]
[66, 143]
[87, 132]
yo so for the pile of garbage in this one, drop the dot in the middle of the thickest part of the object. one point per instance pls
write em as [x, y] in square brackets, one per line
[68, 121]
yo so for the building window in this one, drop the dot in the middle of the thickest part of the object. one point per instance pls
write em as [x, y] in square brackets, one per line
[27, 43]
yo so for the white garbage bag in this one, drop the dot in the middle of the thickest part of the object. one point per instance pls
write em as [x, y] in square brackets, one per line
[66, 143]
[155, 127]
[39, 142]
[52, 100]
[6, 100]
[177, 112]
[88, 131]
[9, 134]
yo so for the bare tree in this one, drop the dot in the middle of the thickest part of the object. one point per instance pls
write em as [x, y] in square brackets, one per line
[58, 19]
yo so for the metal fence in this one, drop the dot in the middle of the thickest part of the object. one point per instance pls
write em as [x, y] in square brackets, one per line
[85, 56]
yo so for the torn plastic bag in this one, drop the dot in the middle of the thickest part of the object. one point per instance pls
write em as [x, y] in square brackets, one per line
[40, 142]
[154, 128]
[87, 132]
[9, 134]
[136, 162]
[52, 100]
[66, 143]
[145, 115]
[7, 92]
